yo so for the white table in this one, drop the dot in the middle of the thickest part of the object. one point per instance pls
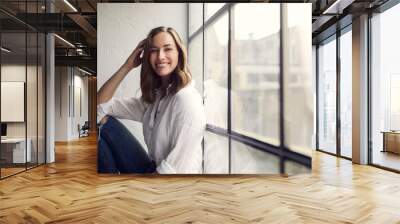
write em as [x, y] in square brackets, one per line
[18, 149]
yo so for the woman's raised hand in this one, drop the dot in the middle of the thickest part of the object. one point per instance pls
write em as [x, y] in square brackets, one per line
[110, 86]
[134, 60]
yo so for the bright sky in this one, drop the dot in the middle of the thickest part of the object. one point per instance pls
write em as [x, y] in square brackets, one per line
[258, 20]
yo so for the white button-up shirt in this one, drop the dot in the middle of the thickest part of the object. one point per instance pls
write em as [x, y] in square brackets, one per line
[173, 127]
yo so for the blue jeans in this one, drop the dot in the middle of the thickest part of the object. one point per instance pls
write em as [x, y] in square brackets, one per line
[120, 152]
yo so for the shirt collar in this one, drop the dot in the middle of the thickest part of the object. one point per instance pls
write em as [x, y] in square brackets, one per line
[158, 91]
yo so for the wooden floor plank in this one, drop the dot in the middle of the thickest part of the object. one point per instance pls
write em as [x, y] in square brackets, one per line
[71, 191]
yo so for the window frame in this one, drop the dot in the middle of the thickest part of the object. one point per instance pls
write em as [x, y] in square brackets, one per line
[28, 29]
[282, 151]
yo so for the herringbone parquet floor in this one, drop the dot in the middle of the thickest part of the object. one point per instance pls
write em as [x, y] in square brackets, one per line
[71, 191]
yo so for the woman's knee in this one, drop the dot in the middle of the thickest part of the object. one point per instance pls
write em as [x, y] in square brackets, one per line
[110, 126]
[108, 122]
[104, 119]
[104, 124]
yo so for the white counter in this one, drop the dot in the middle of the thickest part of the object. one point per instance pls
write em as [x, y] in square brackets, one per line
[18, 145]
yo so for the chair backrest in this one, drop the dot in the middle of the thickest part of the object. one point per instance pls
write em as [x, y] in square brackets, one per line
[86, 125]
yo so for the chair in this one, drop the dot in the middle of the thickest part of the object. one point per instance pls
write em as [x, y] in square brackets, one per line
[84, 130]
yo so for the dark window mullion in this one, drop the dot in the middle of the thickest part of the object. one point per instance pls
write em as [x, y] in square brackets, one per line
[317, 97]
[73, 91]
[26, 87]
[262, 146]
[369, 91]
[0, 91]
[44, 79]
[338, 82]
[281, 91]
[37, 93]
[202, 71]
[230, 26]
[210, 20]
[37, 90]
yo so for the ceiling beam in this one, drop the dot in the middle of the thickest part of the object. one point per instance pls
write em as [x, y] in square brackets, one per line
[337, 7]
[86, 26]
[85, 61]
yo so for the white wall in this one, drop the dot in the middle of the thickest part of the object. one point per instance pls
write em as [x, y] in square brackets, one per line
[11, 74]
[61, 103]
[33, 126]
[79, 117]
[82, 81]
[17, 73]
[120, 27]
[68, 81]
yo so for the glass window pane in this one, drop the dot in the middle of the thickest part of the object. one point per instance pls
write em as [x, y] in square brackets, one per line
[195, 17]
[41, 6]
[216, 154]
[327, 96]
[248, 160]
[212, 8]
[346, 94]
[195, 60]
[32, 86]
[31, 101]
[13, 84]
[216, 72]
[298, 98]
[41, 98]
[32, 7]
[255, 71]
[385, 85]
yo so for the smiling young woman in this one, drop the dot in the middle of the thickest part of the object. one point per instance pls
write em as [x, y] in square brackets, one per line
[166, 64]
[170, 109]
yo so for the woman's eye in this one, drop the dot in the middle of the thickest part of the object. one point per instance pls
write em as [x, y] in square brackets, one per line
[153, 50]
[168, 49]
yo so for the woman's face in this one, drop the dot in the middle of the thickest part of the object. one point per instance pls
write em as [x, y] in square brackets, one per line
[163, 54]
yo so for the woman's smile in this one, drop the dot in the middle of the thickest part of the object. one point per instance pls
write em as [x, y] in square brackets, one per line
[162, 65]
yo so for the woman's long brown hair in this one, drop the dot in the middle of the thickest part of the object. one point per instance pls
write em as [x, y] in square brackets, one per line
[150, 81]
